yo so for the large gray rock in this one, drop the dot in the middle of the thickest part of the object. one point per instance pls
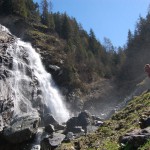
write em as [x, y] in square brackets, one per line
[71, 123]
[21, 129]
[49, 119]
[136, 138]
[70, 136]
[144, 122]
[4, 37]
[49, 129]
[54, 67]
[77, 130]
[84, 119]
[52, 142]
[98, 123]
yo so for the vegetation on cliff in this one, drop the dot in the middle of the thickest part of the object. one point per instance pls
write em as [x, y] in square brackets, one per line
[85, 58]
[124, 121]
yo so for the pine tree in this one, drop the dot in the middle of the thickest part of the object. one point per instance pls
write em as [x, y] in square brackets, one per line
[92, 42]
[57, 22]
[19, 8]
[130, 38]
[66, 28]
[51, 22]
[45, 14]
[51, 18]
[37, 13]
[6, 6]
[31, 8]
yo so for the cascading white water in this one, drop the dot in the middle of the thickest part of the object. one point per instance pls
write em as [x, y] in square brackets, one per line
[51, 95]
[29, 78]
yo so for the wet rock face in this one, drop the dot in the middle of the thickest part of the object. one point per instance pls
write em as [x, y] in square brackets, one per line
[49, 129]
[18, 83]
[21, 129]
[6, 94]
[50, 120]
[18, 86]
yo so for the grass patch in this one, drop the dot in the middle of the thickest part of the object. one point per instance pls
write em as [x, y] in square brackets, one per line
[109, 145]
[126, 120]
[146, 146]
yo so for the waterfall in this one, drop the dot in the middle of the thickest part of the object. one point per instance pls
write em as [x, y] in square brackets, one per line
[26, 81]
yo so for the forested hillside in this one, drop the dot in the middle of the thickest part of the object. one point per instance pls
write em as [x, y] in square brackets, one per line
[137, 51]
[81, 56]
[86, 60]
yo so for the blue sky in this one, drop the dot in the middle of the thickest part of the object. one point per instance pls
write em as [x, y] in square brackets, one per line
[108, 18]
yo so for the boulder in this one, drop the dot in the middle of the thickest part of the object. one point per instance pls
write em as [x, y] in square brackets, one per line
[55, 70]
[49, 119]
[52, 142]
[144, 122]
[84, 119]
[70, 136]
[54, 67]
[60, 127]
[98, 123]
[136, 138]
[49, 129]
[4, 37]
[21, 129]
[77, 129]
[71, 123]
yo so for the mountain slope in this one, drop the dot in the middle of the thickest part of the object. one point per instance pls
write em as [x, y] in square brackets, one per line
[126, 120]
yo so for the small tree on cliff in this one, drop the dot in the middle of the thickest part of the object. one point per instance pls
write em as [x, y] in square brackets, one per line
[66, 27]
[19, 8]
[45, 14]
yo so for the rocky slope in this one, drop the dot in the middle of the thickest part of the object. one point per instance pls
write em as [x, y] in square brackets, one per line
[128, 129]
